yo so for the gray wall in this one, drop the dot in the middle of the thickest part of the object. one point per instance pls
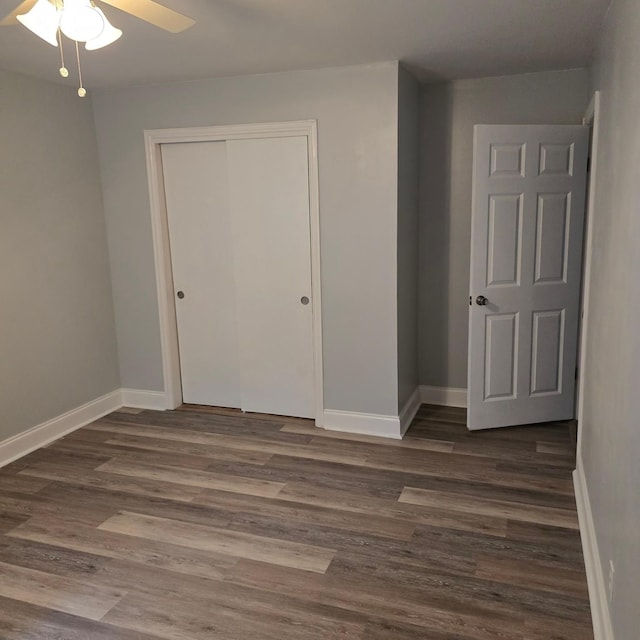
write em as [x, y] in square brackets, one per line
[356, 109]
[408, 164]
[449, 112]
[57, 344]
[610, 447]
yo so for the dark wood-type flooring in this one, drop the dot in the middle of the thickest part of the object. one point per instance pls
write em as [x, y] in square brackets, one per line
[207, 523]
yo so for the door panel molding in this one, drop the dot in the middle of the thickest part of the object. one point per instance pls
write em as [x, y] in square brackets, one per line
[154, 138]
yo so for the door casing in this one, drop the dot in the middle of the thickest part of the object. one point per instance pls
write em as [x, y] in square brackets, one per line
[161, 250]
[591, 119]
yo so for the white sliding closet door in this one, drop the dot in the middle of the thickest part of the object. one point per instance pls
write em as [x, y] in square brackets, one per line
[269, 201]
[238, 218]
[196, 190]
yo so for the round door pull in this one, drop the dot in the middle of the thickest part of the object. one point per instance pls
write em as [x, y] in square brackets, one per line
[180, 294]
[304, 300]
[481, 300]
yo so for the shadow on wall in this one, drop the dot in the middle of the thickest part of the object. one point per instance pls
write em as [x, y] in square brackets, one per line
[435, 230]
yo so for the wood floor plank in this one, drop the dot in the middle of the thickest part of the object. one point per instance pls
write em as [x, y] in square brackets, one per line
[205, 451]
[332, 515]
[50, 558]
[497, 508]
[483, 597]
[553, 448]
[85, 460]
[257, 426]
[546, 629]
[165, 451]
[433, 464]
[67, 499]
[366, 481]
[469, 545]
[375, 600]
[24, 621]
[223, 609]
[247, 444]
[192, 478]
[365, 546]
[422, 444]
[533, 575]
[55, 592]
[516, 453]
[383, 629]
[37, 504]
[564, 541]
[240, 545]
[107, 544]
[127, 452]
[9, 521]
[358, 480]
[114, 482]
[345, 501]
[21, 484]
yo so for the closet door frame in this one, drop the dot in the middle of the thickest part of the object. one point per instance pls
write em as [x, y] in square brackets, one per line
[153, 139]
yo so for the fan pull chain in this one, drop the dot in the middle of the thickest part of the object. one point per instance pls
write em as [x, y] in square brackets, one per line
[82, 92]
[64, 72]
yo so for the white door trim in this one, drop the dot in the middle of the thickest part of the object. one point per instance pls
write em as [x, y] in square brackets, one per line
[153, 138]
[591, 118]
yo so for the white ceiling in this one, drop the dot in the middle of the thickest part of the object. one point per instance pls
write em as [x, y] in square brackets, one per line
[438, 39]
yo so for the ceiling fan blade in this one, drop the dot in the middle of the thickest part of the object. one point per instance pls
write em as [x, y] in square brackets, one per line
[155, 13]
[23, 7]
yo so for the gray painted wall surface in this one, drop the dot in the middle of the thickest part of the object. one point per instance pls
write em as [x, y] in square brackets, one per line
[356, 109]
[610, 425]
[408, 164]
[57, 344]
[449, 112]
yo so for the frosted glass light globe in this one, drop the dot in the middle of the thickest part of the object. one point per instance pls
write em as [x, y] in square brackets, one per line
[80, 20]
[109, 35]
[43, 21]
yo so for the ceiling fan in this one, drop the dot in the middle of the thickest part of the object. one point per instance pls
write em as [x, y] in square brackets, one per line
[147, 10]
[84, 21]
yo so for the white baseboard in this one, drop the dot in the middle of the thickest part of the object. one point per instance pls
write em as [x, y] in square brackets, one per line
[370, 424]
[447, 396]
[602, 629]
[42, 434]
[408, 412]
[139, 399]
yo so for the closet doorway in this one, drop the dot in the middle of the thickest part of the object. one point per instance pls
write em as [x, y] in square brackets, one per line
[236, 245]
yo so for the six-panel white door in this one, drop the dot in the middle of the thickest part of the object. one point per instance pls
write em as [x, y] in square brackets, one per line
[238, 218]
[529, 186]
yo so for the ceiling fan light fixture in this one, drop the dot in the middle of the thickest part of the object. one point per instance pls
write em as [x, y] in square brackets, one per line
[109, 34]
[81, 20]
[43, 19]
